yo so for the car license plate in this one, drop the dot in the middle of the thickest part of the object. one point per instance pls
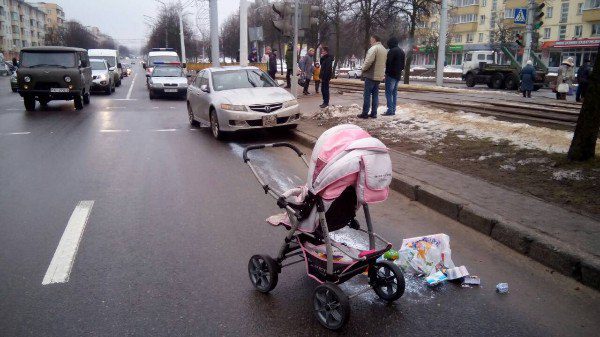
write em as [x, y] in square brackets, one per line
[59, 89]
[170, 90]
[270, 120]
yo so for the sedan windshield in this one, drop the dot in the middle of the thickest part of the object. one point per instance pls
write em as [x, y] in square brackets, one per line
[98, 65]
[167, 72]
[58, 59]
[111, 60]
[243, 78]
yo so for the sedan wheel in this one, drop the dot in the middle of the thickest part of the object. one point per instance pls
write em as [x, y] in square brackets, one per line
[193, 121]
[214, 125]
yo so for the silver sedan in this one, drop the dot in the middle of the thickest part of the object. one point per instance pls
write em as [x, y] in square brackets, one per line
[237, 98]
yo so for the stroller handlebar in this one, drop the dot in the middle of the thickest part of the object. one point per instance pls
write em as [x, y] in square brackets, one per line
[262, 146]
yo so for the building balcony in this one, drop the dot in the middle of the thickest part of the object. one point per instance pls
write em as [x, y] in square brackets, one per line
[473, 9]
[464, 27]
[592, 14]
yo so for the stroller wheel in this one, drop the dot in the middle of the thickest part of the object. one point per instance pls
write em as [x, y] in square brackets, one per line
[387, 280]
[332, 306]
[263, 272]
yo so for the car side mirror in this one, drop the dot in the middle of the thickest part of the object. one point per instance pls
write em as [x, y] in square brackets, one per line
[111, 68]
[280, 83]
[204, 88]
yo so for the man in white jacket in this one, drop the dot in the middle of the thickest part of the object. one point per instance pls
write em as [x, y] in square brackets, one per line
[373, 70]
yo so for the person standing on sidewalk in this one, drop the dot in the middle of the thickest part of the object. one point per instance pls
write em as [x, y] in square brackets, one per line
[253, 57]
[527, 78]
[326, 74]
[315, 77]
[272, 63]
[583, 77]
[393, 70]
[289, 64]
[306, 67]
[373, 70]
[566, 73]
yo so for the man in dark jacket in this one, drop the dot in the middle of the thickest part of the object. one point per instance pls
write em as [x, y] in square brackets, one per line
[253, 57]
[583, 77]
[289, 63]
[326, 74]
[393, 70]
[272, 65]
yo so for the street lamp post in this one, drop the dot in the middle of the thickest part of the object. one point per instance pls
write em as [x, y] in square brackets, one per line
[243, 33]
[439, 75]
[214, 32]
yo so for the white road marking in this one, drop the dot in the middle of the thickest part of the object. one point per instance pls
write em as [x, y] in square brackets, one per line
[131, 87]
[165, 130]
[19, 133]
[116, 107]
[13, 109]
[64, 256]
[124, 99]
[171, 107]
[113, 130]
[154, 107]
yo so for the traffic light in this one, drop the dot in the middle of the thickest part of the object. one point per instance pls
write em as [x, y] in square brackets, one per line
[519, 39]
[309, 16]
[538, 14]
[283, 23]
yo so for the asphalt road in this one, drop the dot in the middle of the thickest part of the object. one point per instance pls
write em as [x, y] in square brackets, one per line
[176, 216]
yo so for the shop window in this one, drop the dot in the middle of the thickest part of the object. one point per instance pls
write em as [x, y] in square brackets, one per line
[547, 32]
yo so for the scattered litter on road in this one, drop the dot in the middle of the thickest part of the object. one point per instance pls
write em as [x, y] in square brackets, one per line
[502, 288]
[456, 273]
[425, 254]
[420, 152]
[391, 255]
[436, 278]
[472, 280]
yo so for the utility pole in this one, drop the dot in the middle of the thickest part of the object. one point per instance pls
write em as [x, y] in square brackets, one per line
[166, 35]
[295, 49]
[214, 33]
[528, 31]
[243, 33]
[439, 75]
[183, 60]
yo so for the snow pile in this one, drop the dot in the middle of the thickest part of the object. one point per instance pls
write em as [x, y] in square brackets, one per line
[492, 155]
[430, 126]
[567, 175]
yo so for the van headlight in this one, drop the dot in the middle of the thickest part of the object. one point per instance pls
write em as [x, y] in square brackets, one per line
[27, 79]
[290, 103]
[68, 79]
[232, 107]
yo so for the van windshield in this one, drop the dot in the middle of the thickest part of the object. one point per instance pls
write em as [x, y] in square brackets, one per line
[45, 59]
[111, 60]
[98, 65]
[162, 58]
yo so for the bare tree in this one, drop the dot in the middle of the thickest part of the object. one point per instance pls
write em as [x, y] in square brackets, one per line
[76, 35]
[335, 13]
[372, 14]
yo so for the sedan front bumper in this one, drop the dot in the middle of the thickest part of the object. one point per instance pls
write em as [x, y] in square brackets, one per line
[244, 120]
[166, 91]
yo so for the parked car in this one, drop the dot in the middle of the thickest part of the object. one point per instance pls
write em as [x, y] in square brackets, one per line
[13, 82]
[54, 73]
[167, 81]
[355, 73]
[101, 77]
[237, 98]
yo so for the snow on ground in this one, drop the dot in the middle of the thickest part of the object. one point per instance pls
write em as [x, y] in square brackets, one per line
[430, 78]
[567, 175]
[429, 126]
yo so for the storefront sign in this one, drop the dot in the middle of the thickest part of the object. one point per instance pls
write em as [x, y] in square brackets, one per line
[593, 42]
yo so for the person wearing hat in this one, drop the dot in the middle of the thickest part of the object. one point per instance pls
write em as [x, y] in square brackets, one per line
[583, 77]
[307, 65]
[315, 77]
[527, 78]
[566, 74]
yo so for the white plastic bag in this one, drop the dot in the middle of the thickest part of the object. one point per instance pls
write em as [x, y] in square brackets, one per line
[425, 254]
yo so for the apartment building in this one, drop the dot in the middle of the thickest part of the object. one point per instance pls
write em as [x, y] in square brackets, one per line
[571, 28]
[55, 15]
[21, 25]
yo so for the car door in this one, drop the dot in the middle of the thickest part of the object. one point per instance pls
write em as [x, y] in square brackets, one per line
[192, 95]
[204, 96]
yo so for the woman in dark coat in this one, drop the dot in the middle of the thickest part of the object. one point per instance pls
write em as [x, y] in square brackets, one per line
[527, 79]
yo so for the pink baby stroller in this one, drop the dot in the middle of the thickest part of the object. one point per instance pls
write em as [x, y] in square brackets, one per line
[348, 169]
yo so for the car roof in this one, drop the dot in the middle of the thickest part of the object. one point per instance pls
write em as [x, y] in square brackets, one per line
[53, 48]
[103, 52]
[162, 53]
[228, 68]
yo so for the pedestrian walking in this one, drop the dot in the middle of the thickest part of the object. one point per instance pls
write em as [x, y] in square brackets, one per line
[564, 80]
[253, 57]
[306, 69]
[289, 64]
[265, 57]
[325, 74]
[316, 78]
[527, 77]
[394, 65]
[583, 77]
[373, 70]
[272, 64]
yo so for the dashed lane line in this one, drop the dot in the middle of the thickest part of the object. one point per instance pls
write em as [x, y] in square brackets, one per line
[113, 130]
[131, 87]
[19, 133]
[59, 269]
[165, 130]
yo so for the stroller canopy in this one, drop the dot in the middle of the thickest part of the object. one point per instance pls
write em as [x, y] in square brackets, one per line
[347, 155]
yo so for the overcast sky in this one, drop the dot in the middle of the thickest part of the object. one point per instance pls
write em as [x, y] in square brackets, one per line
[124, 19]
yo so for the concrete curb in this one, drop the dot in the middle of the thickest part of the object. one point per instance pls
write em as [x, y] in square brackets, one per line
[539, 246]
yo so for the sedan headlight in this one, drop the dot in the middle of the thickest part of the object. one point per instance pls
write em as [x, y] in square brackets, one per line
[27, 79]
[232, 107]
[290, 103]
[68, 79]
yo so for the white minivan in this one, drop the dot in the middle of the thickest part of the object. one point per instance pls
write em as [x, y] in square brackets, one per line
[112, 58]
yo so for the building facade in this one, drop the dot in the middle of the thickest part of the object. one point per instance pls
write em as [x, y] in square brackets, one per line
[55, 16]
[571, 28]
[21, 25]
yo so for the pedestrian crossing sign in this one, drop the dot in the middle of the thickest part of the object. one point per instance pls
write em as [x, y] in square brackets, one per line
[520, 16]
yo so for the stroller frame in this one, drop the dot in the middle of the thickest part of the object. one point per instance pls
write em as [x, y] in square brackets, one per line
[294, 246]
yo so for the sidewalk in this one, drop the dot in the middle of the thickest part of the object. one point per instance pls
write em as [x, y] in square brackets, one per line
[558, 238]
